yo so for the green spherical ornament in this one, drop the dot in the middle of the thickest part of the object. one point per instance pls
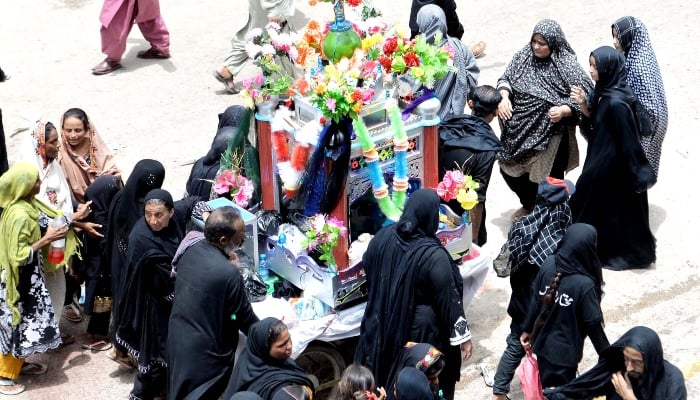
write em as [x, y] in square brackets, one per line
[340, 43]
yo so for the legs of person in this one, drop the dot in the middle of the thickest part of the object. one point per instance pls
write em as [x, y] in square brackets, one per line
[56, 285]
[156, 33]
[523, 188]
[235, 59]
[561, 159]
[149, 385]
[509, 362]
[98, 326]
[10, 368]
[114, 35]
[477, 215]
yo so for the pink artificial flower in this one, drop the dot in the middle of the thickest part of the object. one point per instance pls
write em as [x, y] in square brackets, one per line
[253, 33]
[224, 182]
[444, 193]
[449, 50]
[245, 191]
[268, 49]
[330, 104]
[252, 50]
[259, 80]
[367, 95]
[247, 83]
[317, 222]
[293, 53]
[335, 222]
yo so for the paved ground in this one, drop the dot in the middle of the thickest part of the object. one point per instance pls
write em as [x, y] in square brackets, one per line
[167, 110]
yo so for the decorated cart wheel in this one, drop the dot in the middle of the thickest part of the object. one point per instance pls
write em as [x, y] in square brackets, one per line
[326, 365]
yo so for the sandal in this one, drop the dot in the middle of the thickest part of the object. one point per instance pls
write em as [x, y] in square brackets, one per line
[124, 362]
[100, 345]
[10, 387]
[67, 339]
[228, 82]
[32, 368]
[72, 313]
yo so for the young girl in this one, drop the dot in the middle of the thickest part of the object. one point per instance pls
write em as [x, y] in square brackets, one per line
[357, 383]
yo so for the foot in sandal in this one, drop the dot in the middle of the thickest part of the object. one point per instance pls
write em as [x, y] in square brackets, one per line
[9, 387]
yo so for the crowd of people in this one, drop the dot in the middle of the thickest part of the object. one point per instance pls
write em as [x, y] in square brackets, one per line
[148, 275]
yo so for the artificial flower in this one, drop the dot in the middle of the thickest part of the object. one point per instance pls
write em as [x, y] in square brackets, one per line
[323, 236]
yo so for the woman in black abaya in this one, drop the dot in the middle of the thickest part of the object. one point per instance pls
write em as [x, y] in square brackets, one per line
[415, 294]
[265, 365]
[148, 288]
[205, 168]
[611, 193]
[98, 274]
[126, 209]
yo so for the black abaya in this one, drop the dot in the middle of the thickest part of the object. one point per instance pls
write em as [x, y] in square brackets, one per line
[611, 193]
[661, 379]
[127, 208]
[414, 290]
[257, 372]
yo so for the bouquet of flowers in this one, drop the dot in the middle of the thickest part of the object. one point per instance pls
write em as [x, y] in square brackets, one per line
[261, 88]
[232, 183]
[323, 236]
[335, 91]
[267, 43]
[422, 61]
[351, 3]
[455, 185]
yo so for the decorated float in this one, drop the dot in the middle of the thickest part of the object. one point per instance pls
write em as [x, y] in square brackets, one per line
[346, 128]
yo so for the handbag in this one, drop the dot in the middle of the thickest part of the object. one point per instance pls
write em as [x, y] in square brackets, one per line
[529, 376]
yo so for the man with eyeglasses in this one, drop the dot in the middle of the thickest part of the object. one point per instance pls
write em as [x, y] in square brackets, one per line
[633, 368]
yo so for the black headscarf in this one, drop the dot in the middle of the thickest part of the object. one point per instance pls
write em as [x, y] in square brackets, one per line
[160, 194]
[421, 216]
[231, 116]
[412, 385]
[256, 371]
[419, 356]
[659, 376]
[612, 77]
[393, 262]
[101, 192]
[577, 254]
[206, 167]
[127, 206]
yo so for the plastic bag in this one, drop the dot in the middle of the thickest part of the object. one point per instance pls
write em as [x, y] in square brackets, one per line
[501, 264]
[255, 287]
[529, 376]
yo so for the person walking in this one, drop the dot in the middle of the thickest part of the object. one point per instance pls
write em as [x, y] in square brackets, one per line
[260, 13]
[117, 18]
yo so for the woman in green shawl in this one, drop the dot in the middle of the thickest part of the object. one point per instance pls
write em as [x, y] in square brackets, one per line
[27, 319]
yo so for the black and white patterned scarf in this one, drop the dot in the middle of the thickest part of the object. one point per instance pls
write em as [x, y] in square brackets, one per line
[644, 77]
[536, 85]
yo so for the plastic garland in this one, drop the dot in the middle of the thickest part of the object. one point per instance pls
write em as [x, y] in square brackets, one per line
[391, 207]
[290, 167]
